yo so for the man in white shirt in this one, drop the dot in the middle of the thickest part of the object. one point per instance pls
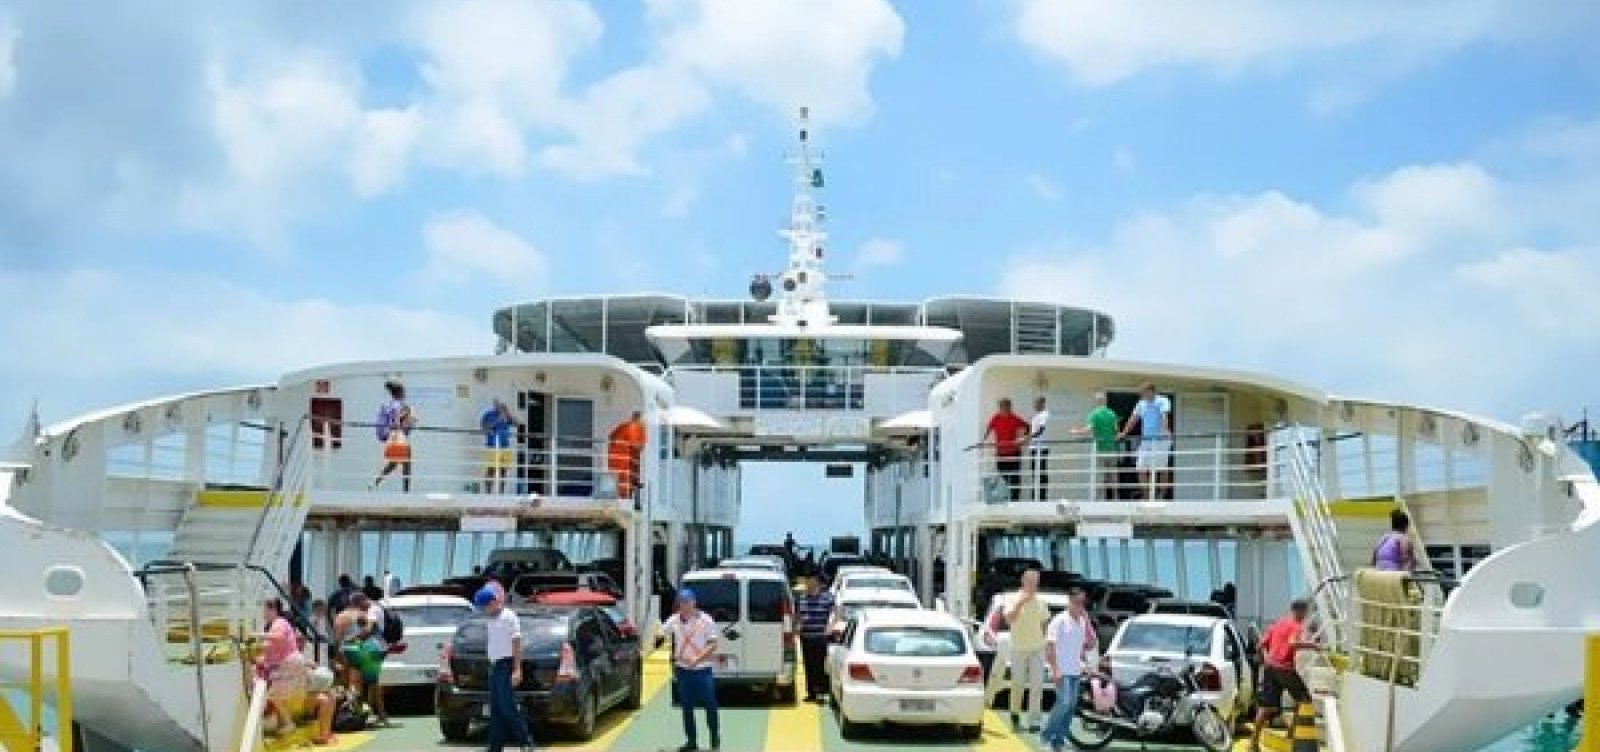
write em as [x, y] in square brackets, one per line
[1027, 616]
[694, 641]
[391, 584]
[993, 625]
[1039, 451]
[1153, 417]
[1067, 642]
[504, 650]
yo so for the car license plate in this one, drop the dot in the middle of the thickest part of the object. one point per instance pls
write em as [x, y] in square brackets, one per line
[916, 706]
[484, 712]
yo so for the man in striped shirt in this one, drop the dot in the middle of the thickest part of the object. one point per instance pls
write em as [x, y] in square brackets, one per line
[815, 608]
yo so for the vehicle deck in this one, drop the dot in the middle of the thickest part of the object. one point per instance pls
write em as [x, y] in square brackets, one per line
[747, 726]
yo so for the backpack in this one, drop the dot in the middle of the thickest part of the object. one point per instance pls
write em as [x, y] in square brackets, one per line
[348, 714]
[394, 629]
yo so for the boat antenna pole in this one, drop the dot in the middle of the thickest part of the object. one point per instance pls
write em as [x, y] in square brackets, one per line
[802, 293]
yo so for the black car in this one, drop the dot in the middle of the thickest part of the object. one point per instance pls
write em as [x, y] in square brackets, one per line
[609, 671]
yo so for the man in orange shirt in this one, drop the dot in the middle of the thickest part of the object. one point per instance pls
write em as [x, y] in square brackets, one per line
[1008, 428]
[622, 455]
[1278, 675]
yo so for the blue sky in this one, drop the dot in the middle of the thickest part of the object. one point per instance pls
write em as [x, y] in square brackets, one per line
[1378, 198]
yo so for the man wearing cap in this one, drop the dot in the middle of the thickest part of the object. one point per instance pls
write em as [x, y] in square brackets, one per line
[504, 629]
[694, 640]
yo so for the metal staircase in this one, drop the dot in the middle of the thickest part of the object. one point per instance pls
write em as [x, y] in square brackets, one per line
[1035, 328]
[1315, 531]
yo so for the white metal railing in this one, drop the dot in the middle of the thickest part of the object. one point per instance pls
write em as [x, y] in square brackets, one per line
[284, 512]
[1315, 531]
[1199, 467]
[458, 461]
[872, 390]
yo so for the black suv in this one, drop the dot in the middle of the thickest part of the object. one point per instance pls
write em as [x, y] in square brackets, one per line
[609, 668]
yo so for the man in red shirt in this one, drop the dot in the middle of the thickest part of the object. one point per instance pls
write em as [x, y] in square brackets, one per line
[1008, 428]
[1278, 675]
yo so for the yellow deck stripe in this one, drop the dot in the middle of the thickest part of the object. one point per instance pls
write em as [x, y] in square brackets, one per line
[221, 499]
[657, 675]
[795, 729]
[998, 735]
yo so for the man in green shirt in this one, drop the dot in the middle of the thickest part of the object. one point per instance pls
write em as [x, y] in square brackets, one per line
[1102, 425]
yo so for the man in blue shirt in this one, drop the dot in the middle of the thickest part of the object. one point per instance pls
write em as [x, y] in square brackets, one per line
[497, 425]
[814, 608]
[1153, 417]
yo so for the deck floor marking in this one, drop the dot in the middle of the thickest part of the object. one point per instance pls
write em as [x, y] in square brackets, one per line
[796, 728]
[657, 675]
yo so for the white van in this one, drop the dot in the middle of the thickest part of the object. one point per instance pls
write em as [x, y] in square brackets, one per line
[755, 611]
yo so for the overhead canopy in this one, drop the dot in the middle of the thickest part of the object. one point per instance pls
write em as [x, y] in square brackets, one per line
[683, 416]
[915, 420]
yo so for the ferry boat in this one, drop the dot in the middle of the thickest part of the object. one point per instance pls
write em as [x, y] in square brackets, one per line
[152, 530]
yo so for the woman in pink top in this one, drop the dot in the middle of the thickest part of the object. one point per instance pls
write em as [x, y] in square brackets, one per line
[279, 653]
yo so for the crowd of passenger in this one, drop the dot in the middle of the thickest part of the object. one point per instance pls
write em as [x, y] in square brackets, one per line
[1020, 445]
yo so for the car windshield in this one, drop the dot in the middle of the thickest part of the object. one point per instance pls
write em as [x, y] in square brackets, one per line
[1152, 637]
[852, 609]
[940, 642]
[877, 583]
[432, 616]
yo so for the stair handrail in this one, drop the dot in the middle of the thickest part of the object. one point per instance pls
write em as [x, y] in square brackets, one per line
[250, 733]
[195, 643]
[1319, 531]
[289, 463]
[302, 622]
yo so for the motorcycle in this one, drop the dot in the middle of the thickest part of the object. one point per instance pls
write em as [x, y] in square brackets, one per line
[1148, 707]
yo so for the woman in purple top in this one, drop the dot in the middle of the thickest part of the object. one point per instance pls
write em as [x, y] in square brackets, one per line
[394, 424]
[1393, 552]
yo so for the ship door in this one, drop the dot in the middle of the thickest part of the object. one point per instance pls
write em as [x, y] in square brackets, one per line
[533, 444]
[575, 447]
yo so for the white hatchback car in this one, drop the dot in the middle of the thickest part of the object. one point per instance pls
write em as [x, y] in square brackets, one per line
[910, 667]
[845, 572]
[873, 580]
[430, 623]
[1212, 645]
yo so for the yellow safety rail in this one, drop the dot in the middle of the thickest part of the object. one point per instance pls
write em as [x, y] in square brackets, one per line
[1590, 741]
[16, 736]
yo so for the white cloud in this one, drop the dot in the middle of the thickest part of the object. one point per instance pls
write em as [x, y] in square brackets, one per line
[464, 246]
[1104, 42]
[680, 200]
[878, 253]
[77, 343]
[383, 149]
[1043, 187]
[495, 69]
[8, 63]
[1386, 298]
[785, 53]
[618, 114]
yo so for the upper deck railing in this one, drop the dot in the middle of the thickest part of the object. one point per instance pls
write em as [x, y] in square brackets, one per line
[1196, 467]
[744, 389]
[461, 461]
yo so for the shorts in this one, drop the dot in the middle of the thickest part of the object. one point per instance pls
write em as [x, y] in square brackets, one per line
[1275, 681]
[497, 458]
[1154, 454]
[365, 656]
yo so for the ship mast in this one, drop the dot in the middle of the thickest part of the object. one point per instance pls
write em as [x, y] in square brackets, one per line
[802, 295]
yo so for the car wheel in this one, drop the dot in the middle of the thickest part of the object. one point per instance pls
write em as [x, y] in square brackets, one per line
[973, 732]
[634, 692]
[453, 730]
[783, 695]
[588, 717]
[849, 729]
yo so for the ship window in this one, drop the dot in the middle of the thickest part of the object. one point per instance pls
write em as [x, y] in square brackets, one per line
[1527, 595]
[63, 581]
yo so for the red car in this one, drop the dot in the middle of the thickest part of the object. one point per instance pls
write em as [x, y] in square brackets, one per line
[602, 601]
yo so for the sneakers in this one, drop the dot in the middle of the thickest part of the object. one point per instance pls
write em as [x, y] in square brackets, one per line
[689, 748]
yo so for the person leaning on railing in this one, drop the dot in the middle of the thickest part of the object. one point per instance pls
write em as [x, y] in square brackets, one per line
[1008, 430]
[1101, 423]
